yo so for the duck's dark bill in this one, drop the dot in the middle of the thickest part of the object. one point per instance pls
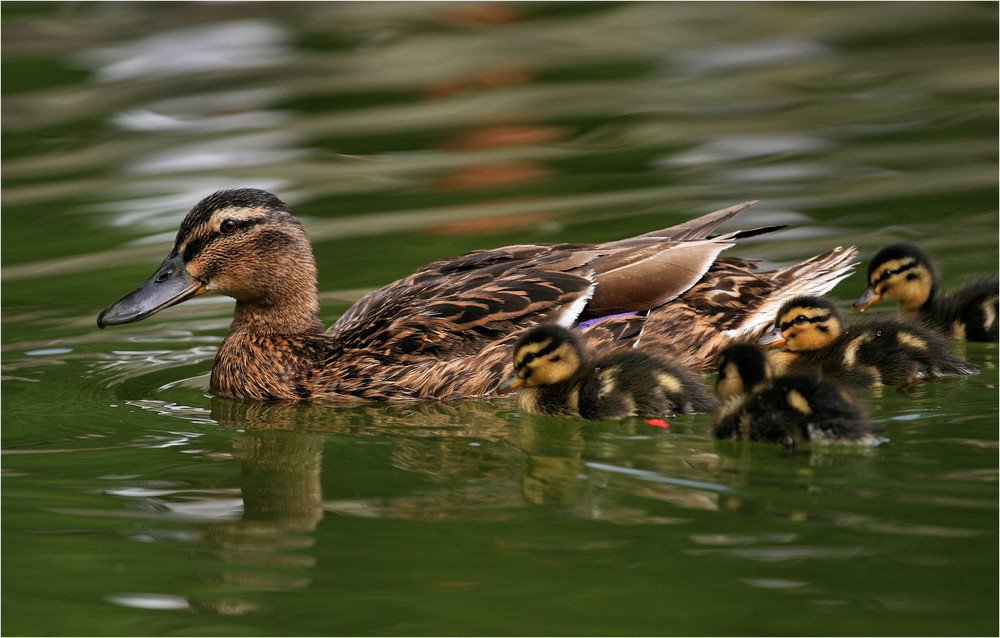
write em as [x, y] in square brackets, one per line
[169, 285]
[868, 298]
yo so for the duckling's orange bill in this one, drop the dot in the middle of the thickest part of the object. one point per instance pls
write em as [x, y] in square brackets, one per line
[510, 385]
[866, 299]
[169, 285]
[772, 339]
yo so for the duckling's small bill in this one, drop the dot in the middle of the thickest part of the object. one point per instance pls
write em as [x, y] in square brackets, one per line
[510, 385]
[868, 298]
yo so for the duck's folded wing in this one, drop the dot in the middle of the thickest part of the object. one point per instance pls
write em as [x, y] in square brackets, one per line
[647, 277]
[453, 307]
[456, 307]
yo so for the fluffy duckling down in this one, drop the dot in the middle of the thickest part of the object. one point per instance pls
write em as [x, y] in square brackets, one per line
[863, 354]
[789, 410]
[556, 376]
[904, 273]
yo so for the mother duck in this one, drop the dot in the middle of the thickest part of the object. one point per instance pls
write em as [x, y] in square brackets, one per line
[447, 330]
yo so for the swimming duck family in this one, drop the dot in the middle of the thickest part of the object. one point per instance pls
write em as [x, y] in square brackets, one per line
[864, 354]
[904, 273]
[557, 376]
[448, 329]
[794, 409]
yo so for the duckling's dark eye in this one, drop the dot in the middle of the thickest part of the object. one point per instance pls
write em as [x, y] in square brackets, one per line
[229, 226]
[801, 319]
[528, 358]
[886, 273]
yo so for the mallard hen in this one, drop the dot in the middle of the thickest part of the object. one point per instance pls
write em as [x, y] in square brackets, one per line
[447, 330]
[903, 272]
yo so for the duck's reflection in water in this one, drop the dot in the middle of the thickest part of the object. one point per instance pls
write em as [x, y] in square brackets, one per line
[465, 461]
[470, 460]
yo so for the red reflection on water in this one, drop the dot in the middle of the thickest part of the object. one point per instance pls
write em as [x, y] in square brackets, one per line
[488, 224]
[501, 136]
[492, 175]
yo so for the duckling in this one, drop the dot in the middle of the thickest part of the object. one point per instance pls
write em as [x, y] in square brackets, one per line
[864, 354]
[789, 410]
[905, 273]
[556, 376]
[446, 330]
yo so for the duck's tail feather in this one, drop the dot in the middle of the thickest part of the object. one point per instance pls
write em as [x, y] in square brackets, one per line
[698, 228]
[952, 364]
[753, 232]
[815, 276]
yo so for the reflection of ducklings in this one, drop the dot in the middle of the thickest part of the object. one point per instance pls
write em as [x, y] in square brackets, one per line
[904, 273]
[864, 354]
[789, 410]
[558, 378]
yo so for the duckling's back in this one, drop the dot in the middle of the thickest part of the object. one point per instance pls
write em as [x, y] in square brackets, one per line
[970, 313]
[631, 383]
[795, 409]
[883, 352]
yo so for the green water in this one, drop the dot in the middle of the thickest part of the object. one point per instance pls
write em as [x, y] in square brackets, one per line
[133, 503]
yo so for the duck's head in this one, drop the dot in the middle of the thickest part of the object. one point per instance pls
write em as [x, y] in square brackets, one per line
[242, 243]
[544, 355]
[900, 272]
[804, 323]
[742, 369]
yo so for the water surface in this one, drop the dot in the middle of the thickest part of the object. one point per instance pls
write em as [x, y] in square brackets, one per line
[134, 503]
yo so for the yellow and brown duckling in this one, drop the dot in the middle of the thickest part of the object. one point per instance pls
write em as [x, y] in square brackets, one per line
[556, 376]
[863, 354]
[904, 273]
[790, 410]
[446, 331]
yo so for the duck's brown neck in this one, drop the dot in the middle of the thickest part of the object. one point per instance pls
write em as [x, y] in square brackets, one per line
[291, 310]
[275, 318]
[267, 353]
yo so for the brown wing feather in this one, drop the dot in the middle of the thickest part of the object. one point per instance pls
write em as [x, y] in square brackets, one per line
[448, 329]
[646, 278]
[456, 307]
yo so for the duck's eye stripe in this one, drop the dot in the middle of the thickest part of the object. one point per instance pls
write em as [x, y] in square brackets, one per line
[531, 356]
[194, 246]
[788, 324]
[232, 225]
[886, 274]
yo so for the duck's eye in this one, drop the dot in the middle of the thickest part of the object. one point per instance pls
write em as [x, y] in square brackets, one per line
[886, 273]
[229, 226]
[528, 358]
[801, 319]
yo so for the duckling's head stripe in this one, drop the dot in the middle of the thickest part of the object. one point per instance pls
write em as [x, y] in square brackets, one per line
[812, 310]
[889, 269]
[803, 316]
[531, 351]
[901, 253]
